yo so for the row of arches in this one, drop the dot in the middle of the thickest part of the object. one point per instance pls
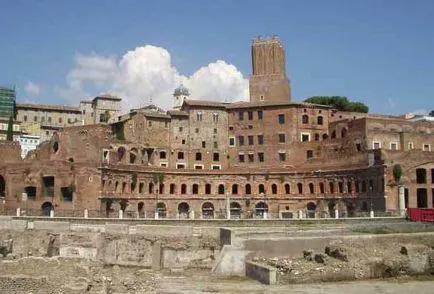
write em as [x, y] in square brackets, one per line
[331, 187]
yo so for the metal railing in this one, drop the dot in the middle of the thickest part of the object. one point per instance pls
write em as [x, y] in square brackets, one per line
[205, 215]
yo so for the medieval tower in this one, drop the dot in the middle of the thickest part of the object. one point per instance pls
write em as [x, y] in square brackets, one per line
[268, 82]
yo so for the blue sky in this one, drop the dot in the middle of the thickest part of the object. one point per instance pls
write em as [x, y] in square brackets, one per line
[380, 52]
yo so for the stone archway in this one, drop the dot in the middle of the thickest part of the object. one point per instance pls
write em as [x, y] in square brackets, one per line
[235, 209]
[2, 186]
[183, 209]
[311, 209]
[331, 209]
[260, 209]
[46, 208]
[207, 210]
[161, 210]
[141, 209]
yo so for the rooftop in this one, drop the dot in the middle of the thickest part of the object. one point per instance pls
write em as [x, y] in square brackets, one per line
[51, 107]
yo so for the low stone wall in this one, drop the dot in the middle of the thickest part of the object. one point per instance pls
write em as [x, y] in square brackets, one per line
[262, 273]
[126, 244]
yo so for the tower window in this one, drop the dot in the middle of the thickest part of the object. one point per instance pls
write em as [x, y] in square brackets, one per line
[281, 118]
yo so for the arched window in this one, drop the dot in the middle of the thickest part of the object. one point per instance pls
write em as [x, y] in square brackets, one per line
[172, 189]
[305, 119]
[195, 189]
[363, 186]
[183, 189]
[274, 189]
[331, 187]
[261, 189]
[287, 189]
[321, 188]
[349, 187]
[221, 189]
[151, 188]
[234, 189]
[300, 188]
[311, 188]
[248, 189]
[207, 189]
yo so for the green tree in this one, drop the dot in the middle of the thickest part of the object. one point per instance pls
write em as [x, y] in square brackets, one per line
[10, 131]
[339, 102]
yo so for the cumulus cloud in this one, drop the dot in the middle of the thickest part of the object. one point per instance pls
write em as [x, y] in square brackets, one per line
[147, 73]
[32, 89]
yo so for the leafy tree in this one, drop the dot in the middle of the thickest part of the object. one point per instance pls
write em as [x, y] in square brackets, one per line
[10, 131]
[397, 172]
[339, 102]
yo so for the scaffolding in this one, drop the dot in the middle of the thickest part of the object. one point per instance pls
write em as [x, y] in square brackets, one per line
[7, 101]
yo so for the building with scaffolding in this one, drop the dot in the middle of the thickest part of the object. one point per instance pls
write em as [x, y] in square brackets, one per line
[7, 101]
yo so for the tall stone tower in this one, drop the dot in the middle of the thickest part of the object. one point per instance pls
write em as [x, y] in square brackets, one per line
[268, 82]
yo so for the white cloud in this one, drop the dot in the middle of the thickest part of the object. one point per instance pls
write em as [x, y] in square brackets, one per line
[147, 72]
[32, 89]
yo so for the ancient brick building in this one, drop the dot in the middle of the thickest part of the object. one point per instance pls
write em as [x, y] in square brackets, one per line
[266, 157]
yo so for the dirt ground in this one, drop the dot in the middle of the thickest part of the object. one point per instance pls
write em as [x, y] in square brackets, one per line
[355, 259]
[38, 275]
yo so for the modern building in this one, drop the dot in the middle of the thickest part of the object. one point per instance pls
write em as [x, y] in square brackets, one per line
[28, 143]
[7, 102]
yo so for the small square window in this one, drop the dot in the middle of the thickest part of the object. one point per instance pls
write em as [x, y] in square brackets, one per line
[251, 157]
[180, 129]
[180, 155]
[309, 154]
[198, 156]
[163, 154]
[231, 141]
[241, 157]
[183, 142]
[216, 156]
[426, 147]
[282, 156]
[196, 130]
